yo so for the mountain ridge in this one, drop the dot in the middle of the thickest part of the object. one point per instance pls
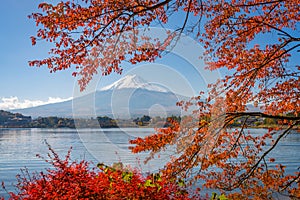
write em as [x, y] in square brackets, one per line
[133, 82]
[128, 97]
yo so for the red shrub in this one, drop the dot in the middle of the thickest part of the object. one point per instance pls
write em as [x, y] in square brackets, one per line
[75, 180]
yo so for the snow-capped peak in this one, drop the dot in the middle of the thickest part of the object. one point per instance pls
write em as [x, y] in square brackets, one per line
[133, 82]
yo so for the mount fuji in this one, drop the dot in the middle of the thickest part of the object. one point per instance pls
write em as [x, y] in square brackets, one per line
[129, 97]
[133, 82]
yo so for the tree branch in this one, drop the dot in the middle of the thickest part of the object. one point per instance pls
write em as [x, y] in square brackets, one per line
[265, 154]
[260, 114]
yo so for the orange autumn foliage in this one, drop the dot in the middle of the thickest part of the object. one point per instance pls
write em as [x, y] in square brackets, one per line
[257, 41]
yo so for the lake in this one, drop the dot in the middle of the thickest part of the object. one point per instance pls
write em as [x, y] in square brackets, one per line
[18, 148]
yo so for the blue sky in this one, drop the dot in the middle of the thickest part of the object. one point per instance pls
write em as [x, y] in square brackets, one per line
[24, 86]
[17, 78]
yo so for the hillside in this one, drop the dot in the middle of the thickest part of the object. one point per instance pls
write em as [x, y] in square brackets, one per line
[13, 119]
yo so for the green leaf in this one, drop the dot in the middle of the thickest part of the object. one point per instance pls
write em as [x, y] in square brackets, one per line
[213, 196]
[148, 183]
[223, 197]
[181, 183]
[127, 176]
[159, 188]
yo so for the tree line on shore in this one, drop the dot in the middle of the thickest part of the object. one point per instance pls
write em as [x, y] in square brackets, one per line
[17, 120]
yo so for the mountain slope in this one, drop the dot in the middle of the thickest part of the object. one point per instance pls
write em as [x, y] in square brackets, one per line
[133, 82]
[131, 96]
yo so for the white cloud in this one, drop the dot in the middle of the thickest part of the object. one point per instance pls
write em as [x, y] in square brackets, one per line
[10, 103]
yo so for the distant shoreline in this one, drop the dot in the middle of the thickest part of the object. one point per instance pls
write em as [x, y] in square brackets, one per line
[146, 126]
[17, 120]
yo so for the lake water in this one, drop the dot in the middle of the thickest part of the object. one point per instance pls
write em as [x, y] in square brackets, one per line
[18, 148]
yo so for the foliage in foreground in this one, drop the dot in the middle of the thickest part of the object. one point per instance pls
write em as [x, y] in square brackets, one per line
[76, 180]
